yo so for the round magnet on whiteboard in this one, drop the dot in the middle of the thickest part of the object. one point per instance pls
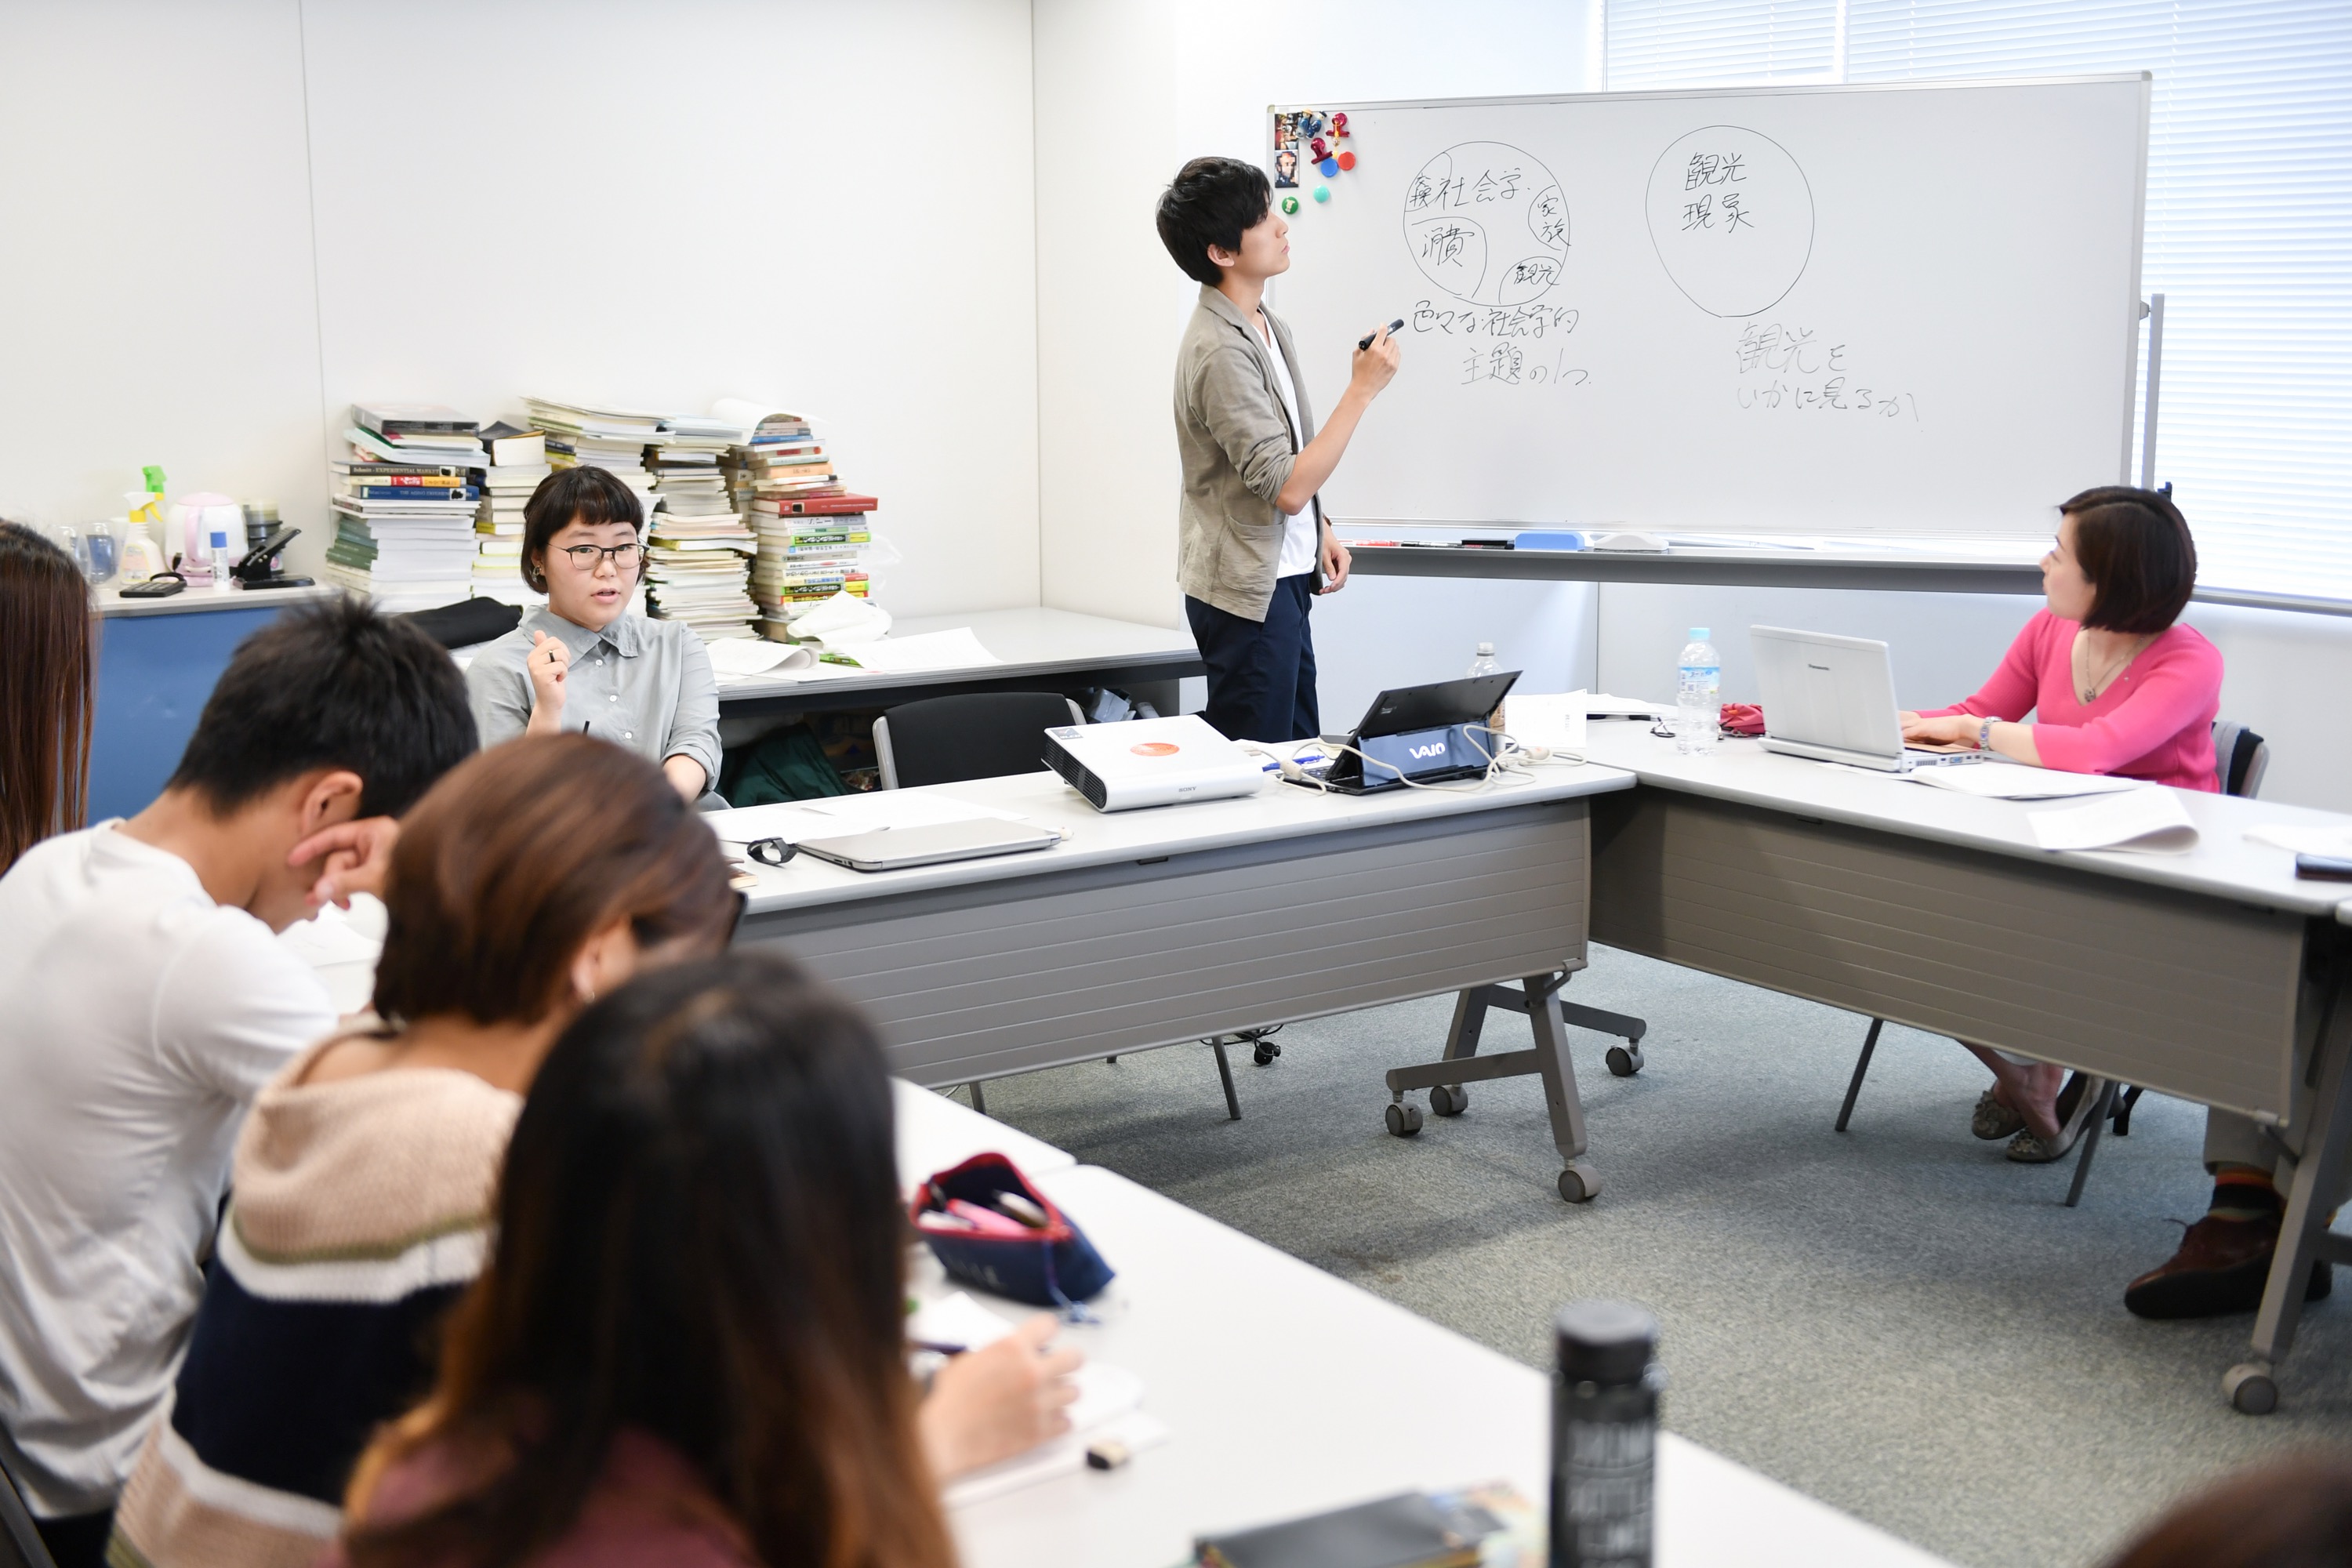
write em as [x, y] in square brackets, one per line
[1322, 193]
[1327, 167]
[1346, 160]
[1290, 204]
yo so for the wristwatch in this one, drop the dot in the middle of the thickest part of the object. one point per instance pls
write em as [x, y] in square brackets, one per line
[1984, 735]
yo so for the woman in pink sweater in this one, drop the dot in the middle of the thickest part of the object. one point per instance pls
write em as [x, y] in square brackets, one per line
[2114, 687]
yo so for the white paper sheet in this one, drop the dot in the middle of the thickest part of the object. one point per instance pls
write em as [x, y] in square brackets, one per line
[2322, 838]
[329, 938]
[956, 649]
[1600, 705]
[2151, 821]
[757, 656]
[900, 808]
[789, 820]
[2001, 780]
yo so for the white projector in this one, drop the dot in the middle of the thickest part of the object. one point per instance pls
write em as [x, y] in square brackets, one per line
[1152, 762]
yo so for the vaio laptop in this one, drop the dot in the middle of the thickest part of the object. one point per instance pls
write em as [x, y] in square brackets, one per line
[1418, 733]
[1832, 699]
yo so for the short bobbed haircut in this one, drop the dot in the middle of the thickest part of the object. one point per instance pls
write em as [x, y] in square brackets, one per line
[2134, 546]
[522, 854]
[590, 494]
[1211, 201]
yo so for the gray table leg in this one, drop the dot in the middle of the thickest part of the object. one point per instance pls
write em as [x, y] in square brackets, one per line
[1538, 998]
[2304, 1237]
[1578, 1181]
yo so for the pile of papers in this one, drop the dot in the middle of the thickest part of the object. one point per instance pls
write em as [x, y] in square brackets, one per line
[517, 462]
[697, 572]
[613, 439]
[404, 503]
[812, 533]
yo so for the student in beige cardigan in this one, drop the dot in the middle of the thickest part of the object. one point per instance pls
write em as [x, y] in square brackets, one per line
[1253, 547]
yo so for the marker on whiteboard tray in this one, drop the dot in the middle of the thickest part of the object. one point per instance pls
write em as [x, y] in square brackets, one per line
[1394, 328]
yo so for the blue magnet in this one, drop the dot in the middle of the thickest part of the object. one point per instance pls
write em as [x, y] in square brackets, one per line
[1328, 168]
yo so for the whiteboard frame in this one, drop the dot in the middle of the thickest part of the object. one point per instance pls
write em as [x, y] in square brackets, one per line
[2138, 302]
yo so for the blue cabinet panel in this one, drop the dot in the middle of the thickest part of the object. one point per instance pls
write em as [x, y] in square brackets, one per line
[155, 673]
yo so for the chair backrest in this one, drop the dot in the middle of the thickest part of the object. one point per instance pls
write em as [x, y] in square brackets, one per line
[20, 1542]
[2241, 757]
[973, 735]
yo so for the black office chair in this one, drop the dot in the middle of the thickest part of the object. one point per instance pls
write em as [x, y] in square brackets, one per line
[20, 1541]
[2241, 758]
[974, 735]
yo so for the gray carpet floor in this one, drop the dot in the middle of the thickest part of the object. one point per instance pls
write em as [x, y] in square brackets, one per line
[1895, 1320]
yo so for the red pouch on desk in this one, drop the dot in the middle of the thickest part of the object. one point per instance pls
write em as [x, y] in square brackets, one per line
[1052, 1266]
[1742, 719]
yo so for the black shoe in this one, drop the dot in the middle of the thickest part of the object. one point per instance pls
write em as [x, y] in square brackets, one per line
[2220, 1269]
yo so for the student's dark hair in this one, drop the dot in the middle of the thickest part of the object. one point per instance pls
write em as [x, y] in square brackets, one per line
[519, 855]
[2289, 1511]
[698, 1236]
[590, 494]
[2134, 546]
[47, 688]
[330, 686]
[1210, 202]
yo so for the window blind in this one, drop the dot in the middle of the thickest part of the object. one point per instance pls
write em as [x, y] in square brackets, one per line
[2248, 227]
[1679, 43]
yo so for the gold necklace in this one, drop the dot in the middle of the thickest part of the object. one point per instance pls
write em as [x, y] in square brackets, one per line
[2092, 689]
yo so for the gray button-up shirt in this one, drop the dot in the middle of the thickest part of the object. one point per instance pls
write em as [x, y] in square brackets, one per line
[638, 683]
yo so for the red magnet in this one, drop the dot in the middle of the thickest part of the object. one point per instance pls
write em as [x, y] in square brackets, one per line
[1346, 160]
[1340, 122]
[1316, 147]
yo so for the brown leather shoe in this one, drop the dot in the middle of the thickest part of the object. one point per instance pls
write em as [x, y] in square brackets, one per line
[2220, 1269]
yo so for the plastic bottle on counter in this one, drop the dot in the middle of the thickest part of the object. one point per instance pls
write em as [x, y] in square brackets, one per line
[1699, 695]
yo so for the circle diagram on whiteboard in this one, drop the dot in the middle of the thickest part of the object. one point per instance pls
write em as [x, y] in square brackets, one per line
[1732, 217]
[1487, 223]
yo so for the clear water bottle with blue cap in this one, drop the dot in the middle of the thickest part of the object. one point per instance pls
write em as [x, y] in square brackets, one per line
[1699, 695]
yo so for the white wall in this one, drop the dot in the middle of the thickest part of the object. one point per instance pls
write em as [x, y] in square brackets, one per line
[1945, 645]
[829, 205]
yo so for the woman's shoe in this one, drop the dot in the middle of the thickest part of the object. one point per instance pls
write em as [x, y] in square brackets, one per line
[1993, 1119]
[2084, 1092]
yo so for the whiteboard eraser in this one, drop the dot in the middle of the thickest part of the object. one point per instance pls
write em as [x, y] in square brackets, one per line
[1631, 541]
[1550, 539]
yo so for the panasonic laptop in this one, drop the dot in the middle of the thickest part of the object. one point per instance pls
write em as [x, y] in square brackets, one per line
[1832, 699]
[1422, 733]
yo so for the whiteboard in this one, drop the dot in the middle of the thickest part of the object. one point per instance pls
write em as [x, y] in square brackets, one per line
[1900, 309]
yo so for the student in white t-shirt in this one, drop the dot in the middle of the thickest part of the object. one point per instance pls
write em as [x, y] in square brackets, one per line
[148, 1000]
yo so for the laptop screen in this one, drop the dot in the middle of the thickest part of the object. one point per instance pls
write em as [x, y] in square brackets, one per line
[1432, 706]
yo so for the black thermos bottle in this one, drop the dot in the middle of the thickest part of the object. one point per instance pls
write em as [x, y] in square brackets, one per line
[1604, 1435]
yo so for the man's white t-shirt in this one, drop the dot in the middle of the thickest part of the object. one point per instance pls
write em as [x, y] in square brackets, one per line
[139, 1020]
[1298, 541]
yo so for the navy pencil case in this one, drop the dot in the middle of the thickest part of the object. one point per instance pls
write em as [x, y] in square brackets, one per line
[1054, 1266]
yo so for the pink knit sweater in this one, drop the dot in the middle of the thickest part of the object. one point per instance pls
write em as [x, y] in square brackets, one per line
[2154, 721]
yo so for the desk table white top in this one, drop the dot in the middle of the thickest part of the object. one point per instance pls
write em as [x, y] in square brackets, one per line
[1032, 641]
[2224, 863]
[1288, 1390]
[934, 1133]
[1276, 811]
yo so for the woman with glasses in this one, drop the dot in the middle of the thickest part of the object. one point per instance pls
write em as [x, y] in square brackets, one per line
[585, 664]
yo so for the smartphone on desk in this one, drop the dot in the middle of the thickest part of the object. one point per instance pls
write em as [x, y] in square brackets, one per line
[2324, 867]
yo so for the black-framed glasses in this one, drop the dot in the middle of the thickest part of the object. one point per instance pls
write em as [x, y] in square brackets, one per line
[623, 557]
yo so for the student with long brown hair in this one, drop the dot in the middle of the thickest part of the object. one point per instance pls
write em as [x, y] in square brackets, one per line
[47, 689]
[689, 1347]
[530, 880]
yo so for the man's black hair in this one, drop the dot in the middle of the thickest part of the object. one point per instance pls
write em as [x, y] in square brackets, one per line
[330, 686]
[1210, 202]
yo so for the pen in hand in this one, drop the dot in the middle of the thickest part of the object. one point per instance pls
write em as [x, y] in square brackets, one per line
[1394, 328]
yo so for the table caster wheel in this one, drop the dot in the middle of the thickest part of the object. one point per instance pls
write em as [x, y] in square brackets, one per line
[1624, 1060]
[1265, 1052]
[1405, 1120]
[1447, 1100]
[2251, 1389]
[1580, 1183]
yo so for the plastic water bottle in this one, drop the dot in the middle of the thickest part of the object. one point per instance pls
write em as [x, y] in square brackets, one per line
[1698, 696]
[1486, 663]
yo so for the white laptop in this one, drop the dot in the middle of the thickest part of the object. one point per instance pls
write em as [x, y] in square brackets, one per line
[1832, 699]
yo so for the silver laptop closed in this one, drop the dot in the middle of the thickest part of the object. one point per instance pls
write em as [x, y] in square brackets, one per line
[896, 849]
[1832, 699]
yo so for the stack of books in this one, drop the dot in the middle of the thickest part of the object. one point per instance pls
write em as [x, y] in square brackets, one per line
[517, 462]
[403, 503]
[698, 551]
[610, 438]
[812, 530]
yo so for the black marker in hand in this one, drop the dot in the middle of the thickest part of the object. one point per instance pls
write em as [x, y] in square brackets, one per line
[1394, 328]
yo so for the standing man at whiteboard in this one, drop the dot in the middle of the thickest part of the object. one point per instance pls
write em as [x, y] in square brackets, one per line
[1252, 548]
